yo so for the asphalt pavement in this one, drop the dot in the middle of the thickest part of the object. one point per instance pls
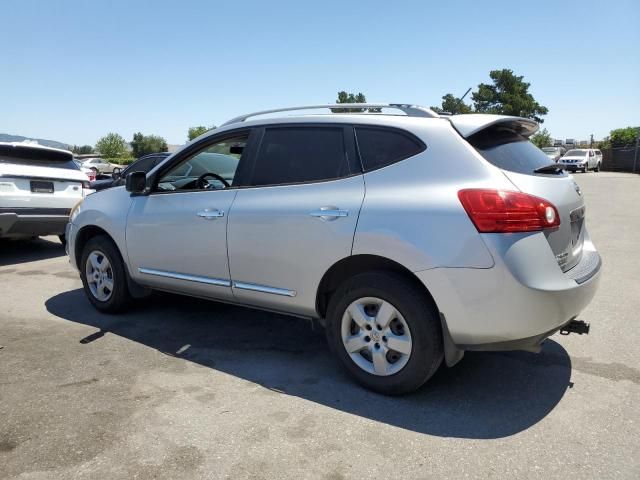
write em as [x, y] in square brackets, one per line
[184, 388]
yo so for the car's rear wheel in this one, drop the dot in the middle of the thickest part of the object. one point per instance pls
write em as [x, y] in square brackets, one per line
[385, 332]
[103, 276]
[597, 169]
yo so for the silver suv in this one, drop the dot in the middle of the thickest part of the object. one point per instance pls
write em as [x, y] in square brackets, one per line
[413, 237]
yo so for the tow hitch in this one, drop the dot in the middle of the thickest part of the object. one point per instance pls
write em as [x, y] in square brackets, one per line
[575, 326]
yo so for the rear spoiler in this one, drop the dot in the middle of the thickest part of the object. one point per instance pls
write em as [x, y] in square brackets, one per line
[471, 123]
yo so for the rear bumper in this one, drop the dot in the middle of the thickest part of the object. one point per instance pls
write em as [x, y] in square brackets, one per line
[19, 225]
[519, 302]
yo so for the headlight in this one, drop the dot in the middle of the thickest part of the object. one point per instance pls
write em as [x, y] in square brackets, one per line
[75, 211]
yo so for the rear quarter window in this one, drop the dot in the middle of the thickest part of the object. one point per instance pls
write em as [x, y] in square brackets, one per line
[508, 150]
[380, 147]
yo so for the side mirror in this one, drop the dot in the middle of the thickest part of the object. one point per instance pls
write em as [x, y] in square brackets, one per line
[117, 171]
[136, 182]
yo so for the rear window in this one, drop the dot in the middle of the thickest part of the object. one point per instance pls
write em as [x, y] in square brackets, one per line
[509, 151]
[36, 157]
[380, 147]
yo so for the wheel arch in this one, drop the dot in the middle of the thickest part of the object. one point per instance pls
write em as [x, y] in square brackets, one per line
[85, 234]
[355, 264]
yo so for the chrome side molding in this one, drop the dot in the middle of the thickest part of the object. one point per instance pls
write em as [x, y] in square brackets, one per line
[264, 289]
[219, 282]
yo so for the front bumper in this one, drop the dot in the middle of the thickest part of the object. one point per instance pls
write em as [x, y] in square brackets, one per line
[573, 167]
[519, 302]
[19, 225]
[70, 233]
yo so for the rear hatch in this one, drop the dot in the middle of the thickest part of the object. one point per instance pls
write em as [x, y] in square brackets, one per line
[504, 142]
[33, 178]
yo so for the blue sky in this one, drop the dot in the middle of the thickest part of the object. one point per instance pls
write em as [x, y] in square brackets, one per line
[75, 70]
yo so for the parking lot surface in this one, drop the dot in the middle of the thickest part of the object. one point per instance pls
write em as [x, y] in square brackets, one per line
[184, 388]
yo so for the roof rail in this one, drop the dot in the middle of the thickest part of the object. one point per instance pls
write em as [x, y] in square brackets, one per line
[408, 109]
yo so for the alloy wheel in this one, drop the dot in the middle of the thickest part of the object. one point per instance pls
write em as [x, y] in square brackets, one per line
[99, 275]
[376, 336]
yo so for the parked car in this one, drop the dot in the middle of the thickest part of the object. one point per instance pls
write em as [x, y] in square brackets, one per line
[582, 159]
[90, 173]
[554, 153]
[118, 176]
[413, 238]
[98, 165]
[38, 188]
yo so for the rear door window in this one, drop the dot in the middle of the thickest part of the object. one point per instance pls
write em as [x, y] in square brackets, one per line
[299, 155]
[380, 147]
[509, 151]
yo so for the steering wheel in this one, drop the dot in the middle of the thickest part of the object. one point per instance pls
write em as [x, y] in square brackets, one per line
[202, 184]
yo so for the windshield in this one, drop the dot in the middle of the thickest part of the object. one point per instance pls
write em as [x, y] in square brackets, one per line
[550, 150]
[576, 153]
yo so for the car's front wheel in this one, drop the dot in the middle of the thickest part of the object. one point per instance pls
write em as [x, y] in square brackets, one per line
[103, 276]
[385, 332]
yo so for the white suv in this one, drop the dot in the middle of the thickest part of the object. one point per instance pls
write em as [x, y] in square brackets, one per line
[38, 188]
[412, 237]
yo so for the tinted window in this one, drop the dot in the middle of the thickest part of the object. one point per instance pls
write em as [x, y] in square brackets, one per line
[37, 157]
[379, 147]
[508, 150]
[300, 154]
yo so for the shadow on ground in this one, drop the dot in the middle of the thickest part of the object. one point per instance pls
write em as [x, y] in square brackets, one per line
[15, 252]
[487, 395]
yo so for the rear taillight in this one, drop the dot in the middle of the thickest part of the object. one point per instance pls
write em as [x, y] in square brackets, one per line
[501, 211]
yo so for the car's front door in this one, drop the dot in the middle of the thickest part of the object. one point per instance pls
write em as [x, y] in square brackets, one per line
[176, 235]
[296, 218]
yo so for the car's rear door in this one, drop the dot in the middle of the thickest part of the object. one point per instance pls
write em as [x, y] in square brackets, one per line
[505, 144]
[297, 216]
[39, 181]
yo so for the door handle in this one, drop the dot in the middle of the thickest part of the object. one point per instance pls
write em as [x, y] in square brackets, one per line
[329, 213]
[210, 213]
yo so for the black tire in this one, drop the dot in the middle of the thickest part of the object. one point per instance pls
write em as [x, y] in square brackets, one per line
[597, 169]
[120, 298]
[419, 313]
[63, 239]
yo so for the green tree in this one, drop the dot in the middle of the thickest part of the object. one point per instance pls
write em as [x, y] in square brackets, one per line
[197, 131]
[452, 105]
[508, 95]
[111, 145]
[344, 97]
[624, 137]
[145, 144]
[542, 139]
[82, 149]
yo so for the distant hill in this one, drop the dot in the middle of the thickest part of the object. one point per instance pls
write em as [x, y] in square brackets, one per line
[5, 137]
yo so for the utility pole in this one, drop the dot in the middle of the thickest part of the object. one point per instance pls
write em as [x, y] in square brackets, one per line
[591, 141]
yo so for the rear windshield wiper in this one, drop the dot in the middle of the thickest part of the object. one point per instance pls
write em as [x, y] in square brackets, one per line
[551, 168]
